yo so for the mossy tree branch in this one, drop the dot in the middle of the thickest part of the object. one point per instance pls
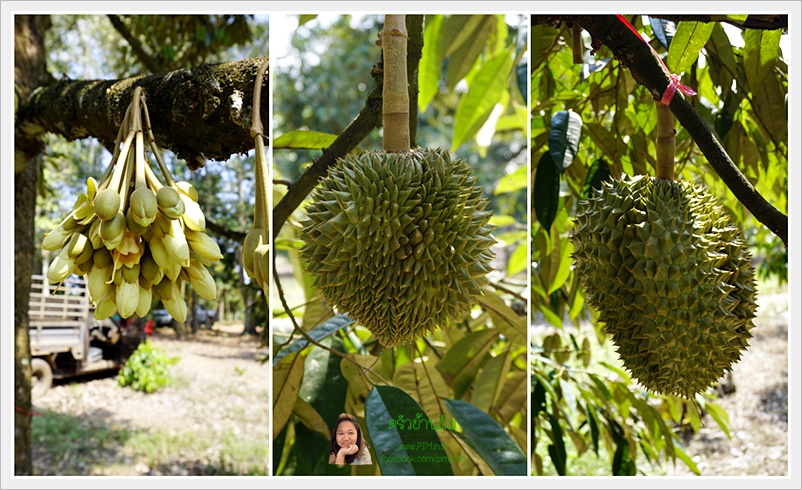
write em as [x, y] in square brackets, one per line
[633, 53]
[200, 113]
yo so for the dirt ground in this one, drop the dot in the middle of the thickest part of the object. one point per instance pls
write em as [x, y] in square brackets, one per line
[211, 419]
[758, 409]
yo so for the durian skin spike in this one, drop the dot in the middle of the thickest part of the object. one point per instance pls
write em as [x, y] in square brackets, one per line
[399, 241]
[671, 277]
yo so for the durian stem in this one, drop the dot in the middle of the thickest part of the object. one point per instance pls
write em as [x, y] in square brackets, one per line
[260, 218]
[665, 142]
[395, 95]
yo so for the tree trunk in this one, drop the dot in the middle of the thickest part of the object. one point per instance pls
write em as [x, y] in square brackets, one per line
[30, 71]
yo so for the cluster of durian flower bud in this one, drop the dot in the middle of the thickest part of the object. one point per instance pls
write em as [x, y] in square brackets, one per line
[134, 237]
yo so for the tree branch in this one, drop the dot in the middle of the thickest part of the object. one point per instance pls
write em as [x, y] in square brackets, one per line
[200, 113]
[634, 54]
[764, 22]
[220, 230]
[368, 118]
[414, 53]
[148, 60]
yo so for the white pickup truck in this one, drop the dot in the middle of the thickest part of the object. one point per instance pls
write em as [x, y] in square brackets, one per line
[65, 338]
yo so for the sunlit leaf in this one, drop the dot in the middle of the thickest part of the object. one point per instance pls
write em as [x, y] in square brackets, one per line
[513, 181]
[761, 49]
[566, 128]
[505, 319]
[304, 18]
[337, 323]
[464, 57]
[287, 377]
[310, 418]
[309, 140]
[462, 361]
[687, 43]
[430, 63]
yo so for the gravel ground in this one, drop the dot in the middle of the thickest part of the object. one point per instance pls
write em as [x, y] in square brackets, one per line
[212, 418]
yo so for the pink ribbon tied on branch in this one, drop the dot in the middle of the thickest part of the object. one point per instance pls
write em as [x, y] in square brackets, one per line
[674, 84]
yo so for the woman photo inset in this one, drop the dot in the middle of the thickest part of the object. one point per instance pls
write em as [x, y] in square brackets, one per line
[348, 446]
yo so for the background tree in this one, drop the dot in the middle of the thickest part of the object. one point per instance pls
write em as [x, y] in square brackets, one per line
[197, 115]
[597, 105]
[328, 96]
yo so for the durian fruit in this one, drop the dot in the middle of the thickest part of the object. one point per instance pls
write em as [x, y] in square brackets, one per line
[671, 277]
[399, 241]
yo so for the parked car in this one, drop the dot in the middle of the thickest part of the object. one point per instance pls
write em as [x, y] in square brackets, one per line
[206, 317]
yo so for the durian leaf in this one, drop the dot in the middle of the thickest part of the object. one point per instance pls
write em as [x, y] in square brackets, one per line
[623, 465]
[489, 439]
[304, 139]
[287, 378]
[720, 416]
[504, 318]
[425, 385]
[769, 104]
[521, 76]
[405, 449]
[675, 407]
[513, 181]
[761, 49]
[566, 128]
[546, 193]
[304, 18]
[324, 386]
[688, 41]
[484, 91]
[594, 427]
[693, 415]
[310, 418]
[463, 58]
[490, 381]
[337, 323]
[557, 449]
[617, 371]
[740, 18]
[664, 30]
[563, 270]
[519, 260]
[547, 386]
[458, 29]
[461, 362]
[687, 460]
[551, 317]
[512, 398]
[316, 312]
[431, 62]
[598, 172]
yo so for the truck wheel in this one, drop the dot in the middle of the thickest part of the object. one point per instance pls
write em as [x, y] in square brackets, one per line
[41, 376]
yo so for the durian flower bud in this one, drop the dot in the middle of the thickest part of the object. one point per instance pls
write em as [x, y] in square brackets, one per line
[261, 264]
[159, 253]
[149, 269]
[127, 298]
[187, 189]
[143, 206]
[176, 244]
[164, 289]
[145, 299]
[176, 306]
[132, 224]
[75, 247]
[99, 280]
[107, 204]
[170, 202]
[204, 246]
[55, 239]
[94, 234]
[130, 274]
[112, 231]
[252, 240]
[106, 306]
[60, 268]
[193, 215]
[205, 285]
[102, 258]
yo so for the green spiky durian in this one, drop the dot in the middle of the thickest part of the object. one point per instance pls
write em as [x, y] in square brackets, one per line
[671, 278]
[399, 241]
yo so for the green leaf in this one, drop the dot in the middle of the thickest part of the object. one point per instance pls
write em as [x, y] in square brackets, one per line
[686, 459]
[489, 439]
[594, 427]
[597, 173]
[304, 140]
[489, 381]
[512, 398]
[287, 377]
[304, 18]
[337, 323]
[430, 63]
[513, 181]
[456, 30]
[564, 268]
[687, 43]
[761, 49]
[623, 465]
[403, 450]
[424, 383]
[484, 92]
[310, 418]
[501, 220]
[504, 318]
[461, 362]
[546, 193]
[519, 260]
[720, 416]
[463, 58]
[557, 449]
[551, 317]
[740, 18]
[566, 128]
[324, 385]
[663, 30]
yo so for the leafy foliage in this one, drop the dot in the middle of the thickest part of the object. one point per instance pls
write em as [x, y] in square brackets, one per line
[457, 393]
[579, 401]
[148, 368]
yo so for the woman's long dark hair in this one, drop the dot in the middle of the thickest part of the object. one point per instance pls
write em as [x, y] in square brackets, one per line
[360, 441]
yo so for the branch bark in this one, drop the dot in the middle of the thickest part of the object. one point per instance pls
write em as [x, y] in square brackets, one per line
[200, 113]
[646, 69]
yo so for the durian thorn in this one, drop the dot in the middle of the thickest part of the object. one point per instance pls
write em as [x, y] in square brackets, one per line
[664, 145]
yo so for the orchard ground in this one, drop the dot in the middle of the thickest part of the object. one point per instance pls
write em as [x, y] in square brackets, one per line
[212, 419]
